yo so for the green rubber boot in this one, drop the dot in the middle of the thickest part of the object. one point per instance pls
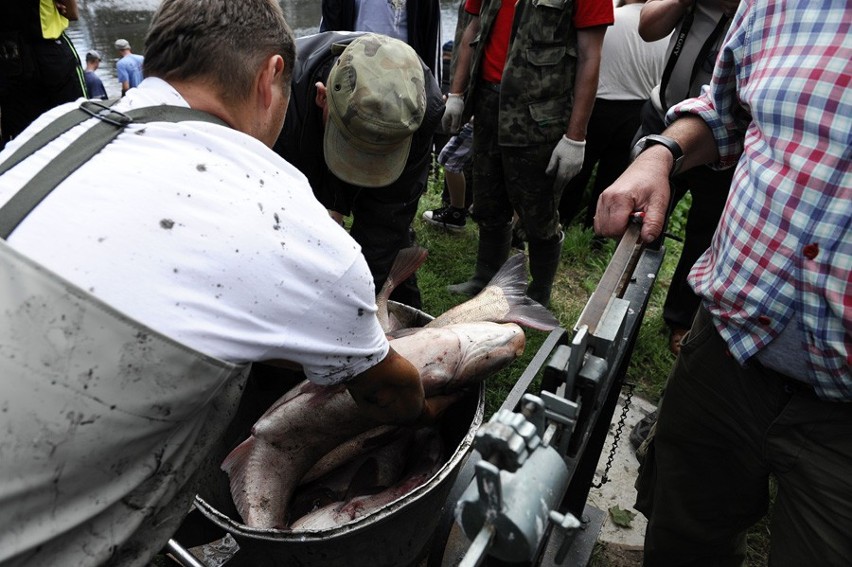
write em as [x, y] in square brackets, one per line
[544, 262]
[492, 252]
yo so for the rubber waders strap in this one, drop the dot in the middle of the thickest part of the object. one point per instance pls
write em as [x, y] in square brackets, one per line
[111, 124]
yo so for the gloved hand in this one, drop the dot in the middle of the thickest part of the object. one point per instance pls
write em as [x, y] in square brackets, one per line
[566, 161]
[451, 121]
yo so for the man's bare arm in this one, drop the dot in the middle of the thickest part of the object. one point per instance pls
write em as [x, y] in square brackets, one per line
[644, 186]
[589, 45]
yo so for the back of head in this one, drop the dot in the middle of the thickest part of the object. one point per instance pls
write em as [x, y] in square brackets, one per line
[221, 43]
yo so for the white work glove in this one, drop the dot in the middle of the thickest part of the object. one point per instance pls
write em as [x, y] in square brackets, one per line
[451, 121]
[566, 161]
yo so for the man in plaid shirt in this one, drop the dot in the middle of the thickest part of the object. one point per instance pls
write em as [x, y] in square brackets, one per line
[763, 384]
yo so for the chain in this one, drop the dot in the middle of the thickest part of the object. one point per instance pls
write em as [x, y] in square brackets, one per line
[628, 396]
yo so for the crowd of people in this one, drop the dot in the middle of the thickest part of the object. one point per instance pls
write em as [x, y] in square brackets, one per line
[234, 250]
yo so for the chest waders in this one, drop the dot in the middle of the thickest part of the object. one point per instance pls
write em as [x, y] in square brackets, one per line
[104, 421]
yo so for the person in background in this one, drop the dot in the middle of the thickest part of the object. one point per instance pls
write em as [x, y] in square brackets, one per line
[416, 22]
[630, 68]
[530, 81]
[696, 29]
[763, 384]
[39, 67]
[94, 85]
[373, 168]
[129, 66]
[455, 157]
[154, 301]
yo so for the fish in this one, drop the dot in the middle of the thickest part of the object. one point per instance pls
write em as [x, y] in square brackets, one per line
[449, 362]
[369, 472]
[310, 420]
[503, 300]
[407, 261]
[429, 450]
[349, 450]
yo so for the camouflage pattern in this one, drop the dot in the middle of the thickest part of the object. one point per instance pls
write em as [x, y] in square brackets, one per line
[376, 102]
[508, 179]
[537, 88]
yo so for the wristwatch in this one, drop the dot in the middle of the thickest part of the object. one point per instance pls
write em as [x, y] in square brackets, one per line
[648, 141]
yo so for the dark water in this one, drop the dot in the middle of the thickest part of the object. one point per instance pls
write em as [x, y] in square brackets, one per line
[103, 21]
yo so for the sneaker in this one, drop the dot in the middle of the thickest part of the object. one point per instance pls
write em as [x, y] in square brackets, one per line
[449, 218]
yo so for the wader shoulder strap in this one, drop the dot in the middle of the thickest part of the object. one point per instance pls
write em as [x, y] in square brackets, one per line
[112, 123]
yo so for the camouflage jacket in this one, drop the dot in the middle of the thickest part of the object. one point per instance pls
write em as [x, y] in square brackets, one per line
[537, 89]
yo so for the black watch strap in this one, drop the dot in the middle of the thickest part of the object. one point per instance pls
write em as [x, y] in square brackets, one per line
[670, 144]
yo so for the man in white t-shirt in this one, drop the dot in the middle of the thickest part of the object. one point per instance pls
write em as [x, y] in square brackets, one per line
[214, 244]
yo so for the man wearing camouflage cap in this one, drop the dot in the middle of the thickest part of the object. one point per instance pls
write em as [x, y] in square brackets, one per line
[363, 110]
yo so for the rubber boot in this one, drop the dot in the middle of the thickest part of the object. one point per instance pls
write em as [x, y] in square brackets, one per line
[544, 261]
[492, 252]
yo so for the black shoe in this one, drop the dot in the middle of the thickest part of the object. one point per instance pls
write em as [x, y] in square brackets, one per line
[450, 218]
[641, 429]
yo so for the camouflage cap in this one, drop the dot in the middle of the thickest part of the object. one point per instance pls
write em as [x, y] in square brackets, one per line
[376, 101]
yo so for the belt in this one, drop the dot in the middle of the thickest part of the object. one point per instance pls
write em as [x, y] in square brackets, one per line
[493, 87]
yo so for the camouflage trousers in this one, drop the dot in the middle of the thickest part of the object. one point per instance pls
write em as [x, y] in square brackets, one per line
[509, 178]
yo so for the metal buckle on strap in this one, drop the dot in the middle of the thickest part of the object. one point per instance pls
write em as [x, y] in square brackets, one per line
[106, 114]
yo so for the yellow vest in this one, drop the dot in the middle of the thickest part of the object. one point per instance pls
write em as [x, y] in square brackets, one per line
[52, 22]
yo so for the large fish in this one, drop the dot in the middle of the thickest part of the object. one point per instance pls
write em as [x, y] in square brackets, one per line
[310, 420]
[503, 300]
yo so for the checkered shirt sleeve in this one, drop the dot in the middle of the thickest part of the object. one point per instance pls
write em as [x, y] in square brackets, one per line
[780, 108]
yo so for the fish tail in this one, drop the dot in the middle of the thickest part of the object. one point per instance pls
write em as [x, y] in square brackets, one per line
[512, 279]
[407, 261]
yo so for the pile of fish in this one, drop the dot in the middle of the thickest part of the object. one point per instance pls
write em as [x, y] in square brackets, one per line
[314, 462]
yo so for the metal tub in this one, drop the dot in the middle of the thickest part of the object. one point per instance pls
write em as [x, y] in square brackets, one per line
[396, 535]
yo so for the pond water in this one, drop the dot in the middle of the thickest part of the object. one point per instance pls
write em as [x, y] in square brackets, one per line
[103, 21]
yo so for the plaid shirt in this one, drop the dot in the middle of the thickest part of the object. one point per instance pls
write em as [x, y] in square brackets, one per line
[780, 108]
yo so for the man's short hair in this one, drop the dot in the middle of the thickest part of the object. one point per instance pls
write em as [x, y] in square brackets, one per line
[93, 56]
[223, 42]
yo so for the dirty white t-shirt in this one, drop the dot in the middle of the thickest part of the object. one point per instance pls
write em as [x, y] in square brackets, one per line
[207, 236]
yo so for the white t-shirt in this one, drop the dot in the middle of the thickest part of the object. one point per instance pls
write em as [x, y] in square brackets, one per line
[630, 67]
[206, 235]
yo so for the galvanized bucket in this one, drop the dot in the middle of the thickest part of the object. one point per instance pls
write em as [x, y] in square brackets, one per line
[395, 535]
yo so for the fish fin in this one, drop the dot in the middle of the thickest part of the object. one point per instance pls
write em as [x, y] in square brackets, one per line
[407, 261]
[512, 279]
[235, 465]
[399, 333]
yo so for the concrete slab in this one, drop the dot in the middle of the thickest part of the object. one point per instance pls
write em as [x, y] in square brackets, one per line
[620, 491]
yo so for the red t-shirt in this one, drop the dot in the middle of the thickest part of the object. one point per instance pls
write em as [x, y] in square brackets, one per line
[587, 14]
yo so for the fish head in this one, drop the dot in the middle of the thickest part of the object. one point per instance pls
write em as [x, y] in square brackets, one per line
[486, 348]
